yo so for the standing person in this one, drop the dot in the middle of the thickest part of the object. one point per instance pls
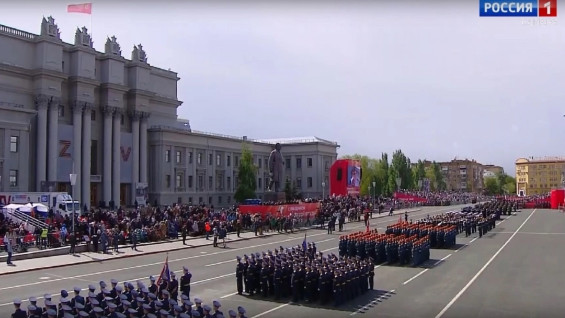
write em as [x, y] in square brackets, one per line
[185, 282]
[239, 272]
[9, 250]
[73, 241]
[133, 240]
[184, 232]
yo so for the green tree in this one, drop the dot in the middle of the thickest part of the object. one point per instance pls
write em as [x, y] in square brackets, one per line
[288, 190]
[246, 175]
[383, 172]
[419, 172]
[492, 186]
[392, 174]
[401, 164]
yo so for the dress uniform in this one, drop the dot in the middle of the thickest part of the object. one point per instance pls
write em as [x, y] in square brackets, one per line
[185, 282]
[173, 287]
[18, 313]
[239, 273]
[216, 310]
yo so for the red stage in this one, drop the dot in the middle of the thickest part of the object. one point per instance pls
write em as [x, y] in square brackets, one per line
[300, 210]
[345, 177]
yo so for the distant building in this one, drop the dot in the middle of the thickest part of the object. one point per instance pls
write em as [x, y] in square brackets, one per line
[462, 175]
[539, 175]
[493, 169]
[68, 108]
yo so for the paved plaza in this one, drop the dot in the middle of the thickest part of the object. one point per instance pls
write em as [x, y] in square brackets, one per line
[512, 271]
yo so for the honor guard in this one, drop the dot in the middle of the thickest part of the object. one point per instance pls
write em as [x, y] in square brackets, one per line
[185, 282]
[216, 310]
[173, 287]
[239, 273]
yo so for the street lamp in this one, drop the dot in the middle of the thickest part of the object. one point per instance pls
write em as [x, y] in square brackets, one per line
[374, 192]
[73, 179]
[323, 190]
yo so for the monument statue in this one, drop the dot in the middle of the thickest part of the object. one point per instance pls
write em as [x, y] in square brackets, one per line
[276, 163]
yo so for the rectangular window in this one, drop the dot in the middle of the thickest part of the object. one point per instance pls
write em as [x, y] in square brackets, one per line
[210, 183]
[229, 183]
[299, 183]
[190, 181]
[259, 183]
[309, 162]
[179, 157]
[229, 199]
[228, 161]
[190, 157]
[199, 158]
[220, 200]
[178, 181]
[61, 110]
[236, 161]
[14, 143]
[298, 163]
[260, 163]
[209, 200]
[168, 180]
[287, 163]
[218, 160]
[94, 157]
[200, 182]
[210, 159]
[167, 156]
[13, 178]
[122, 120]
[200, 200]
[93, 115]
[309, 182]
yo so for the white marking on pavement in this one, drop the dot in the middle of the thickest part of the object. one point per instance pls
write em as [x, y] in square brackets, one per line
[535, 233]
[203, 252]
[416, 276]
[151, 264]
[372, 302]
[446, 308]
[271, 310]
[463, 246]
[44, 277]
[473, 240]
[425, 270]
[229, 295]
[329, 249]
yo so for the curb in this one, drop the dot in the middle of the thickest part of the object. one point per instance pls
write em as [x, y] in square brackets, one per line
[172, 249]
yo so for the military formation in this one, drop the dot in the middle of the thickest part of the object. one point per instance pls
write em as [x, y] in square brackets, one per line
[127, 300]
[302, 273]
[402, 249]
[440, 235]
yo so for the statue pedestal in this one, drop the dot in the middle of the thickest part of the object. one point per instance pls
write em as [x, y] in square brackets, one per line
[274, 196]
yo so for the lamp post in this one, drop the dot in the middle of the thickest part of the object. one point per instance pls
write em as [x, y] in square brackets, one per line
[374, 192]
[73, 179]
[323, 190]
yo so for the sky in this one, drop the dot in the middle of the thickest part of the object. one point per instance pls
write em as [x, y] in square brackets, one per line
[429, 77]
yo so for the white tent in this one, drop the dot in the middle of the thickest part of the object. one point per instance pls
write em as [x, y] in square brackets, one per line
[38, 206]
[12, 206]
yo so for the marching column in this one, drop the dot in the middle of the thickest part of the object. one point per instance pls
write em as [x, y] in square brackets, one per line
[86, 149]
[135, 153]
[42, 103]
[116, 157]
[107, 156]
[143, 148]
[53, 146]
[77, 140]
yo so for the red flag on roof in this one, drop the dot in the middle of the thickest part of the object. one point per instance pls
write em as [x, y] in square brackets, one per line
[80, 8]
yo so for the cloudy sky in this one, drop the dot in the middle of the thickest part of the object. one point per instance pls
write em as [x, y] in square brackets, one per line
[431, 78]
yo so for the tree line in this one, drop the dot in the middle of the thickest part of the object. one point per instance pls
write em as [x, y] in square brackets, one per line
[384, 173]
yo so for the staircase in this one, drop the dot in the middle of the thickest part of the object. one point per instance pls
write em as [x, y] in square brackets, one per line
[31, 222]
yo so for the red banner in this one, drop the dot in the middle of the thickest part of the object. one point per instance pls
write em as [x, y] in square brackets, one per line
[407, 197]
[300, 210]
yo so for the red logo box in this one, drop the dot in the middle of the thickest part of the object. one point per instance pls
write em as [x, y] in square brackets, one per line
[547, 8]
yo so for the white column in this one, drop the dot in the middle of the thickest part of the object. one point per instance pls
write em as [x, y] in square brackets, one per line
[53, 146]
[135, 153]
[86, 150]
[143, 148]
[41, 158]
[76, 144]
[107, 156]
[116, 158]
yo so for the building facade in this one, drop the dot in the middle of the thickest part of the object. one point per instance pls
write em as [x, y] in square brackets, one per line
[67, 108]
[462, 175]
[536, 176]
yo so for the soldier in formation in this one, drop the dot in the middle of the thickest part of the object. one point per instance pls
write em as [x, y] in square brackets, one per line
[304, 274]
[125, 300]
[406, 248]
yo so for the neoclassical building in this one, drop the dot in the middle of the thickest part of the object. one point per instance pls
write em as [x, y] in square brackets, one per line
[67, 108]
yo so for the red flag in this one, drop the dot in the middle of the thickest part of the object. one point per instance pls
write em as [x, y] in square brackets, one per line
[165, 272]
[80, 8]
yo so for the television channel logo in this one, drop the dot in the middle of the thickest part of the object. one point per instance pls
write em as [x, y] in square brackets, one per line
[518, 8]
